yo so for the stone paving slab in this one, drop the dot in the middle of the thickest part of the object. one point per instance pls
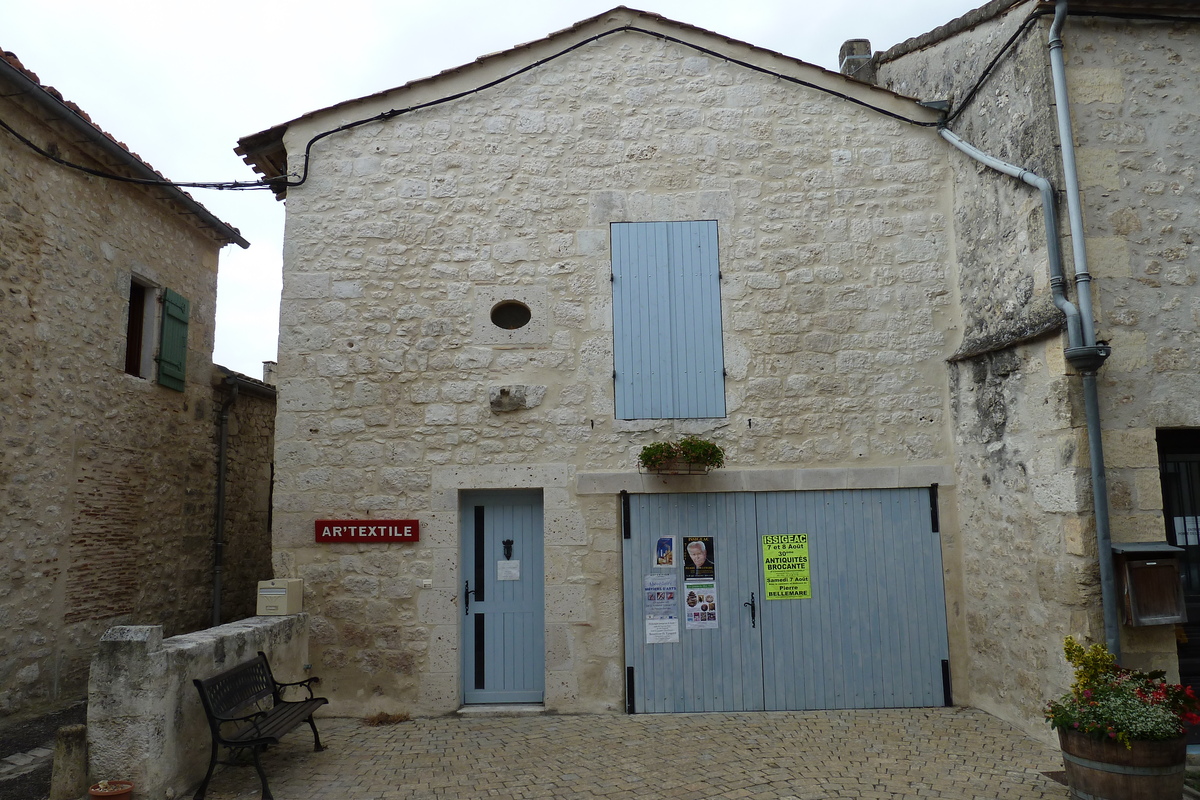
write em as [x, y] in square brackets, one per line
[958, 753]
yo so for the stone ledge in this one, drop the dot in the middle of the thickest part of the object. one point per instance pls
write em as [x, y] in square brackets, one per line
[767, 480]
[501, 476]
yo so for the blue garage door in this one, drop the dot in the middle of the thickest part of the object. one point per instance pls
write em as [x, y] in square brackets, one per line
[872, 633]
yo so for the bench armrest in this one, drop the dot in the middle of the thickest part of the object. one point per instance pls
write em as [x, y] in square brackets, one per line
[306, 683]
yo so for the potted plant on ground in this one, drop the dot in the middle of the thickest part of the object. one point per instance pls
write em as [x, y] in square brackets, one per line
[1121, 730]
[112, 790]
[691, 455]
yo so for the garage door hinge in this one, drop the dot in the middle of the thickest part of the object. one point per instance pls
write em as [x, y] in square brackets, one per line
[933, 509]
[625, 532]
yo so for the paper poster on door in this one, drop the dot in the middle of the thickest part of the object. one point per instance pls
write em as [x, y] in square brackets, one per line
[661, 591]
[700, 605]
[508, 570]
[698, 563]
[785, 567]
[664, 553]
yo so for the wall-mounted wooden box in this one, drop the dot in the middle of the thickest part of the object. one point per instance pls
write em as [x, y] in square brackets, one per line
[1150, 582]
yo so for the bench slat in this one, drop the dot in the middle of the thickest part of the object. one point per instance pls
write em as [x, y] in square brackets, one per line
[278, 721]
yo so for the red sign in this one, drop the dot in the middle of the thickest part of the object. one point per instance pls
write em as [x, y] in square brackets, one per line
[368, 530]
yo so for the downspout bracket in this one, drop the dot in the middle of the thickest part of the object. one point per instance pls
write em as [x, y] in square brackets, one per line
[1088, 358]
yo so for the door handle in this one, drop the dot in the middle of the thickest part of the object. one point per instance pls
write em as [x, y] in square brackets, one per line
[753, 608]
[467, 592]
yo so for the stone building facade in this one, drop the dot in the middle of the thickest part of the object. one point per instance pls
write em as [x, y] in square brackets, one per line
[1021, 450]
[884, 325]
[837, 309]
[106, 473]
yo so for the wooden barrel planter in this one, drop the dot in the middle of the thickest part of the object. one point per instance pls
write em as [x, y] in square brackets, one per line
[1104, 769]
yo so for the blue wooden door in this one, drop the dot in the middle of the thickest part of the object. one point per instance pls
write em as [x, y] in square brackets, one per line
[503, 633]
[707, 668]
[872, 634]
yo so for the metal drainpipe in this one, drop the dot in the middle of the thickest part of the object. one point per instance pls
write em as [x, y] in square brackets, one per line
[219, 534]
[1049, 217]
[1088, 357]
[1083, 357]
[1062, 112]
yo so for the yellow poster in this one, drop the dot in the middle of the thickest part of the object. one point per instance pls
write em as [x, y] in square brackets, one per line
[785, 566]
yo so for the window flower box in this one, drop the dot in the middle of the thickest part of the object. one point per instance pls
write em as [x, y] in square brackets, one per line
[690, 455]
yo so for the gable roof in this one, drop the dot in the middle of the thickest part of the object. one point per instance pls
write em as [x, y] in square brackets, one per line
[266, 151]
[112, 152]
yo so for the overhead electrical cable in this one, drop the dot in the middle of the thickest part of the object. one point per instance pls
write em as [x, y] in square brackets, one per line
[385, 115]
[277, 183]
[99, 173]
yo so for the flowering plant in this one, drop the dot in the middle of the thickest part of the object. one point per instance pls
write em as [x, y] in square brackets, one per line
[1109, 702]
[691, 449]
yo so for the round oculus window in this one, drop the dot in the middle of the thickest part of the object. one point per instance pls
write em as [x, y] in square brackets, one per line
[510, 315]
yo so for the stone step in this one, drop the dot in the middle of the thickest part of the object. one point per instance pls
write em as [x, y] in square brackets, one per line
[503, 710]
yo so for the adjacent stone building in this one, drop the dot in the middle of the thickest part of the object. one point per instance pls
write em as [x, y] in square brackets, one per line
[107, 470]
[500, 283]
[1030, 554]
[243, 411]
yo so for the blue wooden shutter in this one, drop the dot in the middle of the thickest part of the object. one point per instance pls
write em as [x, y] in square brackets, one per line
[172, 351]
[668, 356]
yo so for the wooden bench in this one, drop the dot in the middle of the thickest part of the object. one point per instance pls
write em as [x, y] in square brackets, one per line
[246, 711]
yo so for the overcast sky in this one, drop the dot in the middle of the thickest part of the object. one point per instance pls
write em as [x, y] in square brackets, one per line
[181, 82]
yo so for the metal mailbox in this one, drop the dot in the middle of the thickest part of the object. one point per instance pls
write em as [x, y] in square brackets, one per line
[280, 597]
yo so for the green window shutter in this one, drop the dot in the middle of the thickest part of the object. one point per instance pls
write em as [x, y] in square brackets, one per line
[172, 351]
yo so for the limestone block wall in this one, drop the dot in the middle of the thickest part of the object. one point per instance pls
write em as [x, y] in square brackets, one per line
[1130, 84]
[1022, 450]
[145, 721]
[105, 479]
[998, 221]
[1029, 575]
[838, 309]
[250, 453]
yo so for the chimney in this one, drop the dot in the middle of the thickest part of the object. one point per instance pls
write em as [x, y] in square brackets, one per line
[269, 372]
[854, 59]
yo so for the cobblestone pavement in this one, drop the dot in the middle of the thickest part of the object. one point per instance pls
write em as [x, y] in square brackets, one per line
[27, 750]
[958, 753]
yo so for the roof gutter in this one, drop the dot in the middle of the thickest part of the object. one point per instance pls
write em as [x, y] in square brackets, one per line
[96, 137]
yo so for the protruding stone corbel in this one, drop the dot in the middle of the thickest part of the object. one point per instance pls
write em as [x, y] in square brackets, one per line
[515, 397]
